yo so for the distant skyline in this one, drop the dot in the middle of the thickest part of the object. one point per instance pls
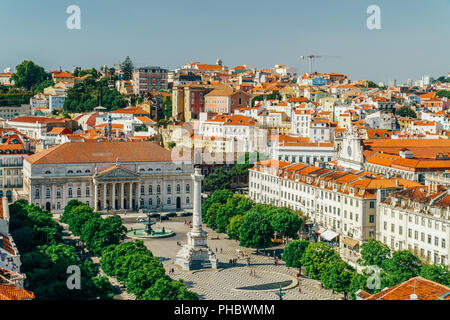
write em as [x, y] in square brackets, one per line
[412, 41]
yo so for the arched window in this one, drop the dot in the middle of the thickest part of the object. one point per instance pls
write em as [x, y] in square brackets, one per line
[188, 188]
[142, 170]
[158, 169]
[149, 169]
[78, 192]
[87, 171]
[150, 202]
[150, 189]
[178, 188]
[48, 172]
[78, 171]
[70, 172]
[158, 189]
[169, 189]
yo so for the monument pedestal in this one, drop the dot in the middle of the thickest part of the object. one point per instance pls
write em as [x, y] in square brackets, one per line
[196, 254]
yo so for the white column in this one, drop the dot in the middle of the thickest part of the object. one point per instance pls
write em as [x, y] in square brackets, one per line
[122, 196]
[95, 196]
[114, 196]
[197, 212]
[104, 196]
[138, 194]
[130, 196]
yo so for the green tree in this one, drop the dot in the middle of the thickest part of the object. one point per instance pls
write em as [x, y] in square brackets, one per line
[165, 289]
[28, 74]
[127, 68]
[234, 227]
[406, 112]
[437, 273]
[167, 107]
[218, 196]
[374, 252]
[402, 266]
[144, 272]
[41, 86]
[286, 222]
[293, 252]
[316, 257]
[256, 230]
[219, 179]
[357, 282]
[443, 93]
[211, 215]
[337, 275]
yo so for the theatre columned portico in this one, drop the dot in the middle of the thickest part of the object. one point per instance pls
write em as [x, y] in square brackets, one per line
[108, 176]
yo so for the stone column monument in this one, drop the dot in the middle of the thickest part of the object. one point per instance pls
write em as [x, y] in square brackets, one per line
[196, 254]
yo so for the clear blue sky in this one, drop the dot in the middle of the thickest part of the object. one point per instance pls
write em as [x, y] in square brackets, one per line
[413, 41]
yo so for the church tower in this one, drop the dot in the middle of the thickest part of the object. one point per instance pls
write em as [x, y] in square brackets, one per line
[351, 153]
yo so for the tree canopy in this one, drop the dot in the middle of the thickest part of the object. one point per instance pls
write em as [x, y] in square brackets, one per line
[28, 74]
[374, 252]
[127, 67]
[293, 252]
[406, 112]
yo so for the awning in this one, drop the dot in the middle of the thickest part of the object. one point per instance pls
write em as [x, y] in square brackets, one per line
[320, 231]
[328, 235]
[350, 242]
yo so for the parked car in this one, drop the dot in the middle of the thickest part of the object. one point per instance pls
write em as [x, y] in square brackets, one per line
[187, 214]
[164, 217]
[171, 214]
[154, 214]
[141, 219]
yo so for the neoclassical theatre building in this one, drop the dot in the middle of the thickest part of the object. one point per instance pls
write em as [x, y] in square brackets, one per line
[108, 176]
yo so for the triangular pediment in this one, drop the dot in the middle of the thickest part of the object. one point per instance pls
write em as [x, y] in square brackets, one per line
[117, 172]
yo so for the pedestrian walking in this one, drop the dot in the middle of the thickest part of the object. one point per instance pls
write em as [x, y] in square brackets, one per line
[299, 289]
[220, 250]
[216, 250]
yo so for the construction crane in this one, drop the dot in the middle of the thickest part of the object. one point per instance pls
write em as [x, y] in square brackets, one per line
[312, 57]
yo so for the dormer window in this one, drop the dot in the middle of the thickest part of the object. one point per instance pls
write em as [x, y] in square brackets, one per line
[70, 172]
[48, 172]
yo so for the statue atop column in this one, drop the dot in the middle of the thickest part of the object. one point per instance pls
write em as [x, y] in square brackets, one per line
[196, 254]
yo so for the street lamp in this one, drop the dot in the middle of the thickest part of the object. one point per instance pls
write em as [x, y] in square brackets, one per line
[280, 293]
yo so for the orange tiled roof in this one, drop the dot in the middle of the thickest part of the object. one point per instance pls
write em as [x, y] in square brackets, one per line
[101, 152]
[423, 288]
[11, 292]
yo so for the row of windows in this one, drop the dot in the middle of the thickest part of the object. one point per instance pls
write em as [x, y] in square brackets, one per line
[88, 191]
[48, 193]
